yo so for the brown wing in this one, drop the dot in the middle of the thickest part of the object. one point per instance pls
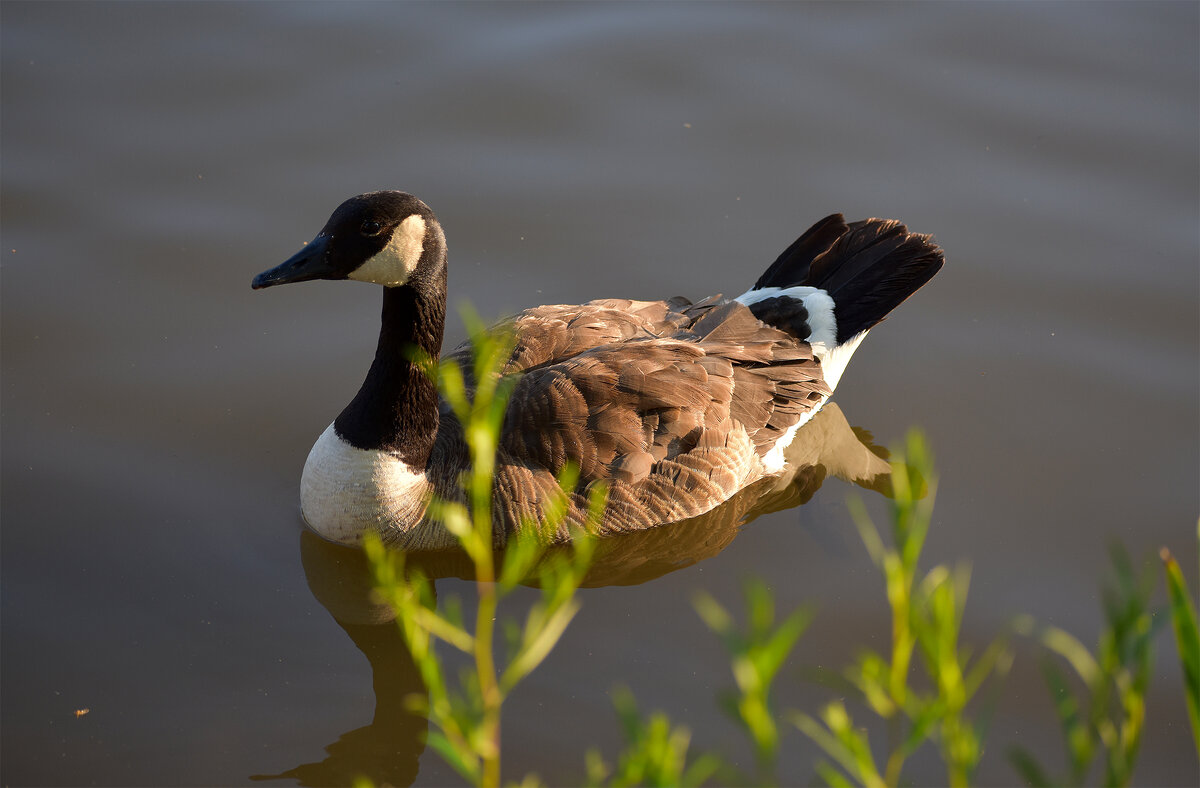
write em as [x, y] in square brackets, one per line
[672, 422]
[670, 403]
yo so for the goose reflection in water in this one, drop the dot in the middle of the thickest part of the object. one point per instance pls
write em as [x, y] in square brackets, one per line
[388, 749]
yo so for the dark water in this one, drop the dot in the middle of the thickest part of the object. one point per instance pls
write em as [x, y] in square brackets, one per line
[157, 412]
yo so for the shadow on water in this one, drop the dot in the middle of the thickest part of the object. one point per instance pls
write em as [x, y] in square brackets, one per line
[388, 750]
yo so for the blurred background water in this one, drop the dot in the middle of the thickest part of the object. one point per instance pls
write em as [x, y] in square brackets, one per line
[157, 413]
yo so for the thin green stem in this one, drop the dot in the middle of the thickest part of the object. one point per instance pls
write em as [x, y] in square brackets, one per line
[489, 688]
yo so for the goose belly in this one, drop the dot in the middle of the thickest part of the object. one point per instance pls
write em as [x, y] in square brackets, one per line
[345, 491]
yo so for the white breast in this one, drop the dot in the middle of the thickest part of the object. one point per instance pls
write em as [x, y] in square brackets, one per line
[346, 490]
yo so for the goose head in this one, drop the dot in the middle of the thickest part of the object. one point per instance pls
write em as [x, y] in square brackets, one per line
[389, 238]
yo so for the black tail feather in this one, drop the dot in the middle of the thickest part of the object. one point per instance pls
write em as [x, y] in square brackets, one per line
[871, 270]
[868, 267]
[791, 267]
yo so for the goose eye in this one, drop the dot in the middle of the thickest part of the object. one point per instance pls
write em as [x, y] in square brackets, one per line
[370, 227]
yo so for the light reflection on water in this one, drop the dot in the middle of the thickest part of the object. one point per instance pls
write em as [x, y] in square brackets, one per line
[156, 413]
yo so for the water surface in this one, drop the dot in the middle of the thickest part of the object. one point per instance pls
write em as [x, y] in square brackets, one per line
[157, 412]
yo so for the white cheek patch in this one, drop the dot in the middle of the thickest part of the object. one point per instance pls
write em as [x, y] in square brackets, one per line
[395, 262]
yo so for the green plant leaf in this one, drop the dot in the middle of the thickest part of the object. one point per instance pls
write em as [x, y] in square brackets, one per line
[829, 773]
[1187, 639]
[923, 721]
[703, 768]
[597, 770]
[715, 617]
[538, 644]
[461, 759]
[453, 388]
[1029, 769]
[520, 557]
[627, 713]
[655, 752]
[827, 741]
[996, 658]
[866, 530]
[1074, 652]
[760, 609]
[780, 644]
[843, 742]
[870, 677]
[1077, 733]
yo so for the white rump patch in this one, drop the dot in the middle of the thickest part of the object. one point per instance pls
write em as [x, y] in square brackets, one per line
[823, 339]
[823, 328]
[395, 262]
[821, 322]
[345, 491]
[773, 461]
[833, 363]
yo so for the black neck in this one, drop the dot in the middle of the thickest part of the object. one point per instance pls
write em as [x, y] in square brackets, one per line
[397, 407]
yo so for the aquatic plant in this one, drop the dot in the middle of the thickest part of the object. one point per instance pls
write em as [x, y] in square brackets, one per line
[655, 754]
[1102, 713]
[757, 654]
[466, 713]
[1103, 717]
[926, 622]
[1187, 637]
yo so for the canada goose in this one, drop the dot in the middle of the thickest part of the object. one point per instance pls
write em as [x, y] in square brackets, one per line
[675, 405]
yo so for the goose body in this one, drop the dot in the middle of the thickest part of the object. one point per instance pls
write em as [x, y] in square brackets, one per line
[675, 405]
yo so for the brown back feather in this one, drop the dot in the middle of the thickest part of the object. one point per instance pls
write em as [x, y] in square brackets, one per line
[668, 402]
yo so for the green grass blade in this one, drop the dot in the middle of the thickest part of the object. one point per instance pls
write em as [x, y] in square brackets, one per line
[1077, 735]
[760, 609]
[459, 758]
[627, 713]
[777, 648]
[929, 715]
[828, 742]
[1187, 639]
[538, 647]
[715, 617]
[702, 769]
[520, 556]
[866, 530]
[1029, 769]
[996, 658]
[832, 777]
[1074, 652]
[597, 770]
